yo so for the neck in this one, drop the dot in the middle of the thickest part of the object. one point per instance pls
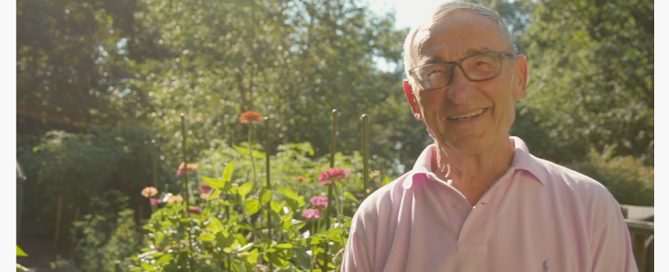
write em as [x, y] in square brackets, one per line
[473, 173]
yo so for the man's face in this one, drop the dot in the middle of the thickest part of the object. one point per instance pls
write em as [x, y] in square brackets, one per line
[468, 116]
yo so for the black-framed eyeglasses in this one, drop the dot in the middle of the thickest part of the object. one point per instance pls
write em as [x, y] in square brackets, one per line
[479, 67]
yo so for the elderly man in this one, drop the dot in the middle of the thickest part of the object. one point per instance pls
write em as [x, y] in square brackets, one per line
[477, 200]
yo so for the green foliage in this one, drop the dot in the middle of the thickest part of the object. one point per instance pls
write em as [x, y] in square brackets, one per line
[78, 166]
[20, 253]
[106, 235]
[596, 59]
[72, 71]
[626, 177]
[59, 264]
[230, 232]
[293, 61]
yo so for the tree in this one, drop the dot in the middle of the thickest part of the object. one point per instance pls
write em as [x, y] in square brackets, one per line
[291, 60]
[596, 59]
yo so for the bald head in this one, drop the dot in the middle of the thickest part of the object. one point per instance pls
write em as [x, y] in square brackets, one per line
[413, 40]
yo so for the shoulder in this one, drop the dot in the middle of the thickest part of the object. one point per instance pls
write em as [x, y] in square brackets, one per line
[573, 185]
[559, 175]
[380, 204]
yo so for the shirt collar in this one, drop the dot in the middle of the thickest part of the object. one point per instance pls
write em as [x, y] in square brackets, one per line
[522, 159]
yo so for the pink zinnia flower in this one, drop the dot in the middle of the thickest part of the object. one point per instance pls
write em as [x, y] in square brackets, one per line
[195, 210]
[310, 214]
[205, 188]
[332, 175]
[319, 202]
[155, 202]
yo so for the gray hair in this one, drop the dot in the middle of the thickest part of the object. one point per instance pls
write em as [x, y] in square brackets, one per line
[446, 9]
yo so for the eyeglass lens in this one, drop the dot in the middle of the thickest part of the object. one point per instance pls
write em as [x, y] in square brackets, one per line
[475, 68]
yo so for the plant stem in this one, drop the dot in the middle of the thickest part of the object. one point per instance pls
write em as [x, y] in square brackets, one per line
[365, 154]
[253, 162]
[268, 187]
[184, 186]
[333, 150]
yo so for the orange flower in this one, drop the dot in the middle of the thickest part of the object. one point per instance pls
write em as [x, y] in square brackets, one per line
[175, 199]
[183, 167]
[250, 116]
[300, 178]
[204, 196]
[149, 192]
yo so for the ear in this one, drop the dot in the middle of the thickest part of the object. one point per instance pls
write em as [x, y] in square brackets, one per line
[411, 98]
[520, 77]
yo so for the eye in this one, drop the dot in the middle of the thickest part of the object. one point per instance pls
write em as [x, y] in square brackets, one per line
[481, 63]
[433, 72]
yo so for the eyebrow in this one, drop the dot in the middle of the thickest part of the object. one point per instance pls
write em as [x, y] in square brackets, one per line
[468, 53]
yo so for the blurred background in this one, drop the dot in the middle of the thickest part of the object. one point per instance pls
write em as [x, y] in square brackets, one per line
[101, 84]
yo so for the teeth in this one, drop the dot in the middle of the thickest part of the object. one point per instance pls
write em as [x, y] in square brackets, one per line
[467, 115]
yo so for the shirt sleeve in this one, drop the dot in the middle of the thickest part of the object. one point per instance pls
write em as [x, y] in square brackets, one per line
[611, 244]
[357, 251]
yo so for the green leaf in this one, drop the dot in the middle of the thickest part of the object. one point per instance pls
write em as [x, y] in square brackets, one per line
[288, 193]
[245, 189]
[284, 246]
[148, 267]
[239, 237]
[214, 183]
[251, 206]
[227, 172]
[215, 225]
[215, 193]
[205, 237]
[20, 252]
[333, 234]
[252, 258]
[276, 207]
[165, 259]
[351, 197]
[246, 151]
[265, 197]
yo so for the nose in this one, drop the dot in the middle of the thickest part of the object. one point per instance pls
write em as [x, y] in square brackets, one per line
[460, 88]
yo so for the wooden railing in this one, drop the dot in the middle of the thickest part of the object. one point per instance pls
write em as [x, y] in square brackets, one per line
[643, 236]
[642, 233]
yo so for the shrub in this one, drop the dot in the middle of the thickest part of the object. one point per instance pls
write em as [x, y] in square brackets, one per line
[627, 178]
[106, 235]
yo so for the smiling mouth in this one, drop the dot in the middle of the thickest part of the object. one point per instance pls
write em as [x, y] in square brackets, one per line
[466, 115]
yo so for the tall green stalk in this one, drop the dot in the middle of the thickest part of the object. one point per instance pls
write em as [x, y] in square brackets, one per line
[365, 153]
[328, 211]
[184, 185]
[268, 187]
[253, 162]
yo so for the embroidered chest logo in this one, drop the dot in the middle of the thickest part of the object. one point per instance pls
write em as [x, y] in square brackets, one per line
[545, 266]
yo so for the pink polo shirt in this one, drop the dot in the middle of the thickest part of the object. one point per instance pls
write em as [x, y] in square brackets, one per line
[537, 217]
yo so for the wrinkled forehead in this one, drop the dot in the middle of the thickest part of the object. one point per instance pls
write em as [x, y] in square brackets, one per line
[453, 35]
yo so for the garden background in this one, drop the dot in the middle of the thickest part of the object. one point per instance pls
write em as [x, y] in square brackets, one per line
[101, 86]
